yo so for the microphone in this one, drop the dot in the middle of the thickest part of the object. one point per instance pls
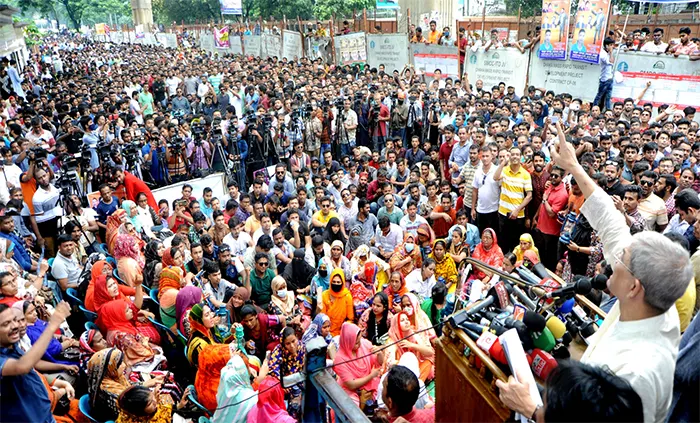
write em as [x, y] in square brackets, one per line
[585, 325]
[501, 322]
[489, 342]
[542, 363]
[541, 336]
[581, 286]
[561, 352]
[498, 294]
[556, 327]
[524, 299]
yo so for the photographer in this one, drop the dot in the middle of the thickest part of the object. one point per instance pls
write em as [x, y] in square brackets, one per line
[314, 130]
[90, 140]
[175, 155]
[154, 157]
[199, 148]
[399, 116]
[348, 137]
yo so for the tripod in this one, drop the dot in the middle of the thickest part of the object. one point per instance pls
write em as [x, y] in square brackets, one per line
[341, 135]
[235, 166]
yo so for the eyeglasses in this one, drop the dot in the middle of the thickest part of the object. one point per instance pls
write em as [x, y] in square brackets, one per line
[263, 264]
[618, 258]
[554, 176]
[325, 206]
[646, 183]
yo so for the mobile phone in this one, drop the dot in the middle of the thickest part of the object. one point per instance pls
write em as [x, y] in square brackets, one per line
[555, 119]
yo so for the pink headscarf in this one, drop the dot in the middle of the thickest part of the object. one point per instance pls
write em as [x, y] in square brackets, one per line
[270, 406]
[346, 363]
[124, 247]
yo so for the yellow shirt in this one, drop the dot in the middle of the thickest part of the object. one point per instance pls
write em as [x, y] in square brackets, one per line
[514, 187]
[434, 36]
[324, 219]
[685, 305]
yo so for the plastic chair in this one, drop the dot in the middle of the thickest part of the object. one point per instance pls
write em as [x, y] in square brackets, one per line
[182, 337]
[153, 295]
[203, 419]
[73, 297]
[90, 326]
[116, 276]
[112, 262]
[192, 397]
[164, 330]
[89, 315]
[84, 406]
[102, 249]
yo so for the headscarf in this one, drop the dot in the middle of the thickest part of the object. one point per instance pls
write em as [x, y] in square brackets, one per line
[86, 340]
[95, 273]
[114, 222]
[519, 252]
[400, 253]
[186, 298]
[445, 267]
[350, 365]
[235, 396]
[170, 276]
[104, 375]
[400, 292]
[397, 334]
[355, 239]
[152, 260]
[314, 329]
[286, 305]
[112, 317]
[420, 320]
[129, 205]
[329, 236]
[102, 296]
[198, 328]
[492, 256]
[323, 282]
[270, 406]
[531, 256]
[124, 247]
[300, 272]
[235, 312]
[425, 230]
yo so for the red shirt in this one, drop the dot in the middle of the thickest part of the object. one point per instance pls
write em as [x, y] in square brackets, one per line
[440, 226]
[558, 199]
[444, 155]
[416, 415]
[380, 129]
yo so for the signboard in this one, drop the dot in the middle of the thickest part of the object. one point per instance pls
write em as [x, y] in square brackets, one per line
[390, 50]
[251, 45]
[351, 49]
[100, 29]
[495, 66]
[674, 80]
[589, 31]
[236, 45]
[167, 40]
[318, 48]
[564, 76]
[117, 37]
[387, 4]
[231, 7]
[428, 57]
[292, 48]
[221, 38]
[271, 46]
[206, 42]
[555, 29]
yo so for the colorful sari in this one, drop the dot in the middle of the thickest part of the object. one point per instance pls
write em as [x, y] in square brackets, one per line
[130, 336]
[283, 363]
[105, 383]
[168, 287]
[73, 414]
[129, 261]
[235, 396]
[425, 364]
[492, 256]
[446, 267]
[351, 365]
[519, 252]
[114, 223]
[400, 254]
[270, 406]
[186, 298]
[395, 296]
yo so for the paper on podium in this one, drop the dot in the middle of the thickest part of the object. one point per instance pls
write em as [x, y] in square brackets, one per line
[517, 361]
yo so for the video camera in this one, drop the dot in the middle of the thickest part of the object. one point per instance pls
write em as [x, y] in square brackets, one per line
[177, 144]
[37, 154]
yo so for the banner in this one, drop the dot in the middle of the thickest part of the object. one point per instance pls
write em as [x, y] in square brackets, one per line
[167, 40]
[390, 50]
[292, 48]
[674, 80]
[236, 44]
[271, 46]
[496, 66]
[100, 29]
[387, 4]
[589, 31]
[117, 37]
[564, 76]
[251, 45]
[429, 57]
[351, 49]
[221, 38]
[319, 48]
[206, 42]
[231, 7]
[216, 181]
[554, 35]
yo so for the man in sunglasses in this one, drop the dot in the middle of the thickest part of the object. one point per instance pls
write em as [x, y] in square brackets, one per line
[554, 200]
[651, 206]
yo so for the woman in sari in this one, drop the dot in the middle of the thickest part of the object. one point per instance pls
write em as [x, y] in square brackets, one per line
[107, 379]
[488, 252]
[235, 397]
[140, 222]
[425, 238]
[337, 302]
[362, 255]
[526, 244]
[445, 267]
[357, 368]
[130, 334]
[186, 298]
[362, 288]
[57, 345]
[208, 351]
[129, 260]
[375, 321]
[153, 263]
[406, 256]
[287, 358]
[114, 228]
[401, 328]
[458, 249]
[139, 404]
[101, 268]
[270, 406]
[395, 290]
[419, 320]
[172, 279]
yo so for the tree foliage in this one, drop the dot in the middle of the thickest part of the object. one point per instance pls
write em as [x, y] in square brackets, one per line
[324, 9]
[78, 12]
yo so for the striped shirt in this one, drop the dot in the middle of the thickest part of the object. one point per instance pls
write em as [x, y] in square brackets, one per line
[514, 187]
[653, 208]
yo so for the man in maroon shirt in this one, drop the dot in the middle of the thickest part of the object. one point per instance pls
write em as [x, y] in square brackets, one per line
[378, 120]
[554, 200]
[443, 216]
[400, 390]
[446, 151]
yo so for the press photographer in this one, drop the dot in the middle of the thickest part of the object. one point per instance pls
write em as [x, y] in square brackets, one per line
[399, 115]
[199, 146]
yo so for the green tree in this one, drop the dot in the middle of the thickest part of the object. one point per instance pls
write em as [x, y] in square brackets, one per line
[324, 9]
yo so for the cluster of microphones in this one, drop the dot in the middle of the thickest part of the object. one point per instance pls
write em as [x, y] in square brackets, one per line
[544, 314]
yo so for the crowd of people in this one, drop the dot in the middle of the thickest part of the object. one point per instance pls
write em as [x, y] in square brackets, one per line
[384, 183]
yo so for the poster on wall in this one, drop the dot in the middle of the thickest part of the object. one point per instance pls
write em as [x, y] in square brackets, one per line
[390, 50]
[351, 48]
[231, 7]
[589, 30]
[554, 36]
[429, 57]
[495, 66]
[100, 29]
[221, 39]
[271, 46]
[292, 48]
[236, 44]
[387, 4]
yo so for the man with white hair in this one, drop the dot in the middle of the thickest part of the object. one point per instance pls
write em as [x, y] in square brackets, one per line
[639, 338]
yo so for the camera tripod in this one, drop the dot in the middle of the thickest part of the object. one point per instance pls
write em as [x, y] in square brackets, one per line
[341, 135]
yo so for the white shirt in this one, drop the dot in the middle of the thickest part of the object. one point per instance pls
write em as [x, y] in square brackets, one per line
[11, 174]
[391, 240]
[650, 47]
[489, 190]
[411, 226]
[643, 352]
[172, 84]
[239, 245]
[415, 283]
[46, 205]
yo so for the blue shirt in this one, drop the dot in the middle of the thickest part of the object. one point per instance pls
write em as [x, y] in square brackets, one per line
[21, 256]
[207, 210]
[24, 397]
[460, 153]
[103, 209]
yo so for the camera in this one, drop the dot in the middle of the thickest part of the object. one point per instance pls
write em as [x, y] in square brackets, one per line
[103, 151]
[37, 154]
[177, 144]
[339, 102]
